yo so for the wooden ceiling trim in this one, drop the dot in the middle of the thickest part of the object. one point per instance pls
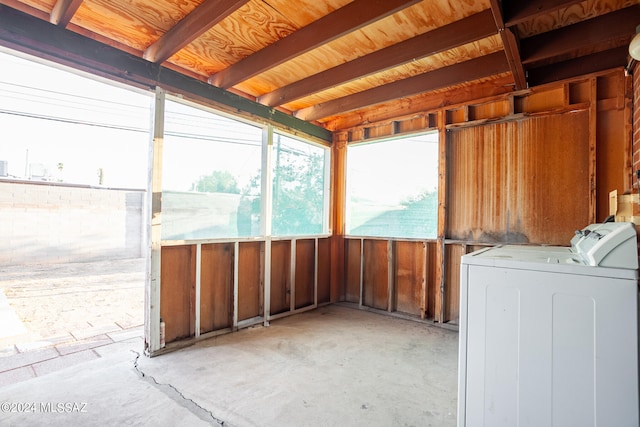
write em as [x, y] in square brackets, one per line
[617, 27]
[31, 35]
[517, 12]
[349, 18]
[472, 28]
[594, 63]
[63, 11]
[511, 47]
[474, 69]
[203, 17]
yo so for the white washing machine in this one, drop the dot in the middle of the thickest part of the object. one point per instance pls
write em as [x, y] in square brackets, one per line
[549, 335]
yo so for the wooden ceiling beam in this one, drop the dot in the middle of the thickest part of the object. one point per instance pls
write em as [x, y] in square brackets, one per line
[203, 17]
[588, 64]
[347, 19]
[63, 11]
[424, 102]
[467, 30]
[613, 28]
[517, 12]
[511, 46]
[473, 69]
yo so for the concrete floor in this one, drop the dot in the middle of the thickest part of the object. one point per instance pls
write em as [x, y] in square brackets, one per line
[334, 366]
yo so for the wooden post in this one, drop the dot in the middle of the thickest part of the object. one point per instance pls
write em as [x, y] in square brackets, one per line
[442, 217]
[338, 175]
[154, 223]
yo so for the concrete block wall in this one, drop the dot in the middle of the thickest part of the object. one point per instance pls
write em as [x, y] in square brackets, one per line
[57, 223]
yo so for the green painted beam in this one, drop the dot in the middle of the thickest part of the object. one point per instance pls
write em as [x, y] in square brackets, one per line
[40, 38]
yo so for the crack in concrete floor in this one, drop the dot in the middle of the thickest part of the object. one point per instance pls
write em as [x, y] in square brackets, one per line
[177, 396]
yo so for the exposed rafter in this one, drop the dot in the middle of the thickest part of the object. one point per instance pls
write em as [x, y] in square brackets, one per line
[349, 18]
[466, 30]
[596, 34]
[473, 69]
[517, 12]
[511, 48]
[203, 17]
[423, 102]
[576, 67]
[63, 11]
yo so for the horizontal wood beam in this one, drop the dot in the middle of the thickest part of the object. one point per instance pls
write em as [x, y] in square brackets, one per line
[613, 28]
[347, 19]
[516, 12]
[580, 66]
[34, 36]
[418, 104]
[63, 11]
[473, 69]
[203, 17]
[464, 31]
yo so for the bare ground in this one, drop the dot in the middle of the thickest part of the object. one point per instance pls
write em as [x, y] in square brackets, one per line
[60, 303]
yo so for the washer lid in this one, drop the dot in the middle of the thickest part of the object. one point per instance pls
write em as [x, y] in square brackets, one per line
[556, 259]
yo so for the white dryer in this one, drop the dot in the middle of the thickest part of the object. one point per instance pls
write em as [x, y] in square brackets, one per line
[549, 335]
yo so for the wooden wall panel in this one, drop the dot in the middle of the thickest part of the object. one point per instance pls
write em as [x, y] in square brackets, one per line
[498, 108]
[410, 276]
[177, 291]
[520, 182]
[376, 274]
[610, 154]
[305, 272]
[433, 280]
[280, 276]
[352, 270]
[250, 284]
[536, 102]
[216, 287]
[324, 271]
[453, 253]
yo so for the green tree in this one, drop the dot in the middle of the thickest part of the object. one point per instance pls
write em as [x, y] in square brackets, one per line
[217, 182]
[298, 196]
[298, 193]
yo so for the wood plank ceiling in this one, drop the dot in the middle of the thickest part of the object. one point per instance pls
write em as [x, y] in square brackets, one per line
[342, 63]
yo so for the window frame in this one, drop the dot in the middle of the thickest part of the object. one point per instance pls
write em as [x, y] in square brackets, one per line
[266, 204]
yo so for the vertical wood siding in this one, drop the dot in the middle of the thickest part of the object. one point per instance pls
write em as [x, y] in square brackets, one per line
[526, 181]
[216, 287]
[250, 285]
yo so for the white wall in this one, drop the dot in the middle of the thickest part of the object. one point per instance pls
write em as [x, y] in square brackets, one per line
[56, 223]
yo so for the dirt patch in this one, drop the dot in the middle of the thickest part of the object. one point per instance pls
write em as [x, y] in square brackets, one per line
[67, 302]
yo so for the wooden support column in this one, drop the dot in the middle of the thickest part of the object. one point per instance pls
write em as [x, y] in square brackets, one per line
[442, 216]
[593, 121]
[338, 176]
[154, 223]
[265, 213]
